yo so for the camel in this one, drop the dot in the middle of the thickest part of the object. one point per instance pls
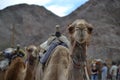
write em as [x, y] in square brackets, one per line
[16, 70]
[32, 60]
[80, 33]
[70, 64]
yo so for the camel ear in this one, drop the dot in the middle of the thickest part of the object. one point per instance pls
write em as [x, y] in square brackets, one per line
[71, 29]
[90, 28]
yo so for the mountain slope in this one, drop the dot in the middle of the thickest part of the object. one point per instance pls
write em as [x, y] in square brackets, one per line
[32, 24]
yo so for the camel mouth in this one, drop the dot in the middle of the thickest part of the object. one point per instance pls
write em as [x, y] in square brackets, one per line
[34, 55]
[76, 63]
[82, 41]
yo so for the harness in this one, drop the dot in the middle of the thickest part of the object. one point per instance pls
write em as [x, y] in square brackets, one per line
[17, 54]
[14, 55]
[77, 61]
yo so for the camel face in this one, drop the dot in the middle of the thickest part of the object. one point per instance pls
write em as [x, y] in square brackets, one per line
[32, 57]
[80, 31]
[32, 50]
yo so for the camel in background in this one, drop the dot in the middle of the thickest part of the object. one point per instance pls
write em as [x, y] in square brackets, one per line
[16, 70]
[32, 62]
[70, 64]
[23, 70]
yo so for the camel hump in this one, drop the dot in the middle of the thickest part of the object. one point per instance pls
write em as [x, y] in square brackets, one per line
[59, 53]
[58, 64]
[61, 48]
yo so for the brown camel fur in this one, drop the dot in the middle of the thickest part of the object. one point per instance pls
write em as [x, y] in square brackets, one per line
[70, 64]
[16, 70]
[32, 60]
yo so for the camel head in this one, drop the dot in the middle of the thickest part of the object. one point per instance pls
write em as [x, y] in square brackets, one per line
[32, 50]
[80, 31]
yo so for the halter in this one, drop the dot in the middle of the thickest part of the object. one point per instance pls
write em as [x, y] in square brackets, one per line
[82, 60]
[16, 54]
[78, 62]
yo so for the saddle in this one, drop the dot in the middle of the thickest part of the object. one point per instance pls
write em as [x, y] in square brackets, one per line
[4, 64]
[17, 54]
[8, 52]
[48, 52]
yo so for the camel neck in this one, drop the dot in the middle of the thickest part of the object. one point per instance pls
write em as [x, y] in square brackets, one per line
[79, 51]
[78, 59]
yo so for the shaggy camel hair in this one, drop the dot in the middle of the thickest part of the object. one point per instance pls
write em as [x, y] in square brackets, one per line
[16, 70]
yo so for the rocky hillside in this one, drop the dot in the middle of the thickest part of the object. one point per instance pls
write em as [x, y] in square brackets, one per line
[33, 24]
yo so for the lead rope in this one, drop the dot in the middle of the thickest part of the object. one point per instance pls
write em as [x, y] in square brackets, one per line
[86, 70]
